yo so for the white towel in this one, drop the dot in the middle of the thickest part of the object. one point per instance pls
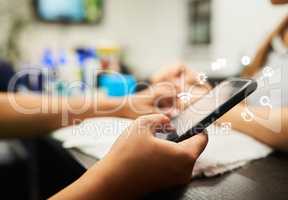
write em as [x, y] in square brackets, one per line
[225, 151]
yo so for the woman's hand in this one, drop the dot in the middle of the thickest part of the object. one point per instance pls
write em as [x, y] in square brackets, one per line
[174, 73]
[178, 74]
[163, 95]
[159, 98]
[187, 81]
[139, 163]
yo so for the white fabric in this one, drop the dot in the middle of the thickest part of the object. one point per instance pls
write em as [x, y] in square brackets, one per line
[225, 151]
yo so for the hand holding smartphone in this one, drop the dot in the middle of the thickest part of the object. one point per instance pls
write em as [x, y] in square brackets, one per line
[210, 107]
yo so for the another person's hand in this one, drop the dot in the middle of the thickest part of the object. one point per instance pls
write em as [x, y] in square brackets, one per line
[178, 74]
[159, 98]
[139, 163]
[184, 78]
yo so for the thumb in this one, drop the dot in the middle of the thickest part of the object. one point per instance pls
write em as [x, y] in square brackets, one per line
[195, 145]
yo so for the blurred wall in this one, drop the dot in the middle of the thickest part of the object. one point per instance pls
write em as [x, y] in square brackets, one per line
[154, 33]
[150, 31]
[12, 15]
[241, 26]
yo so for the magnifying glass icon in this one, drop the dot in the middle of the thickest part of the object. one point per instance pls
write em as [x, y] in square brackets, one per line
[265, 101]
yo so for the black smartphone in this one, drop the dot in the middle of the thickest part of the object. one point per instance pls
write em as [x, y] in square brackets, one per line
[210, 107]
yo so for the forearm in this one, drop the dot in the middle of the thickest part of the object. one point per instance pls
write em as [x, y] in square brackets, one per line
[101, 181]
[89, 187]
[31, 115]
[266, 131]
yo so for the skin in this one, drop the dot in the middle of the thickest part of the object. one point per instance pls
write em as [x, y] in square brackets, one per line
[174, 73]
[275, 139]
[279, 1]
[157, 164]
[185, 80]
[158, 98]
[142, 103]
[128, 172]
[285, 38]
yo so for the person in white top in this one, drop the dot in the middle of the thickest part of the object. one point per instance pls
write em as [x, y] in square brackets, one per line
[264, 115]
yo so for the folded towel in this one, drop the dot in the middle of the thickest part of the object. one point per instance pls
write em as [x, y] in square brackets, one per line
[225, 151]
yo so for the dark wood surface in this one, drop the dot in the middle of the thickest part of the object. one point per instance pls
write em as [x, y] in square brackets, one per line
[265, 179]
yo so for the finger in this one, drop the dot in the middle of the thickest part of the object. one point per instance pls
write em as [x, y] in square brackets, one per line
[165, 89]
[192, 77]
[166, 102]
[160, 89]
[170, 112]
[195, 145]
[155, 122]
[179, 70]
[165, 128]
[164, 97]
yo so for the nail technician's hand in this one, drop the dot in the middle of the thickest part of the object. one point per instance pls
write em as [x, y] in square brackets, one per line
[139, 163]
[188, 81]
[159, 98]
[174, 74]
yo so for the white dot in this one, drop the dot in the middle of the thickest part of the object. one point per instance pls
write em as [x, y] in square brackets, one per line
[202, 78]
[268, 72]
[246, 60]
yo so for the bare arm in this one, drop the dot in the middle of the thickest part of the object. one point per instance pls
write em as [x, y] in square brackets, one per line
[32, 115]
[29, 115]
[260, 131]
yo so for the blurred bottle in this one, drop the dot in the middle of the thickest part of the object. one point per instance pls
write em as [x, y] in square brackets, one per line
[91, 66]
[69, 73]
[49, 71]
[109, 52]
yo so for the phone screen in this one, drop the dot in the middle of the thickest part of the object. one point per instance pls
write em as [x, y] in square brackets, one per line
[209, 103]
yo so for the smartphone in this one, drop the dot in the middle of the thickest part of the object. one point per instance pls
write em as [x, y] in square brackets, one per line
[210, 107]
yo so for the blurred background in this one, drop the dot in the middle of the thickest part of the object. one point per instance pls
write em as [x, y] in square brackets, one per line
[71, 40]
[141, 35]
